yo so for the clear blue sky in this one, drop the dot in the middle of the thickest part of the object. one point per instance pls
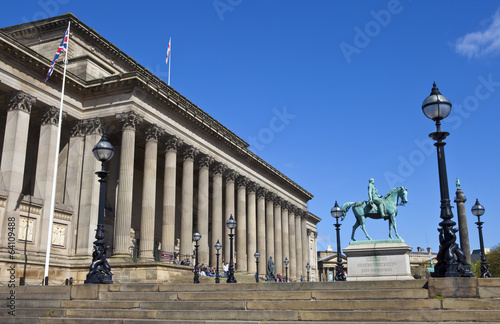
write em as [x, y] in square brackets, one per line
[349, 77]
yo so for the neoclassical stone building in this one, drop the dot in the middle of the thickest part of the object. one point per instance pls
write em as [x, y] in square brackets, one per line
[175, 169]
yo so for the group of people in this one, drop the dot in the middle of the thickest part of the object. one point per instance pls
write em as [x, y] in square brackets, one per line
[207, 271]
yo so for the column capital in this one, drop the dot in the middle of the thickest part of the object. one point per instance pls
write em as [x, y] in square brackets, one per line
[173, 143]
[292, 208]
[230, 175]
[285, 205]
[205, 161]
[20, 100]
[91, 126]
[218, 168]
[50, 115]
[153, 133]
[129, 119]
[277, 201]
[242, 182]
[189, 152]
[252, 186]
[261, 192]
[270, 196]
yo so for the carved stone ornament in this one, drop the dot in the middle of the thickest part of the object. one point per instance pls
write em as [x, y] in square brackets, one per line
[285, 205]
[189, 152]
[20, 100]
[218, 168]
[261, 192]
[252, 186]
[231, 175]
[51, 116]
[205, 161]
[23, 231]
[270, 196]
[173, 143]
[59, 234]
[277, 201]
[153, 133]
[91, 126]
[129, 119]
[242, 182]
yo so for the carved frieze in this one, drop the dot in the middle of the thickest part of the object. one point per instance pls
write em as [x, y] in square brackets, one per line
[26, 229]
[59, 234]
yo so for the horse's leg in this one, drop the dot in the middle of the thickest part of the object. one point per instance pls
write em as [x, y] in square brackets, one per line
[391, 225]
[354, 227]
[393, 222]
[362, 224]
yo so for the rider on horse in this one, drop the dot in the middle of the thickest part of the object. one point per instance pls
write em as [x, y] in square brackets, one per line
[374, 199]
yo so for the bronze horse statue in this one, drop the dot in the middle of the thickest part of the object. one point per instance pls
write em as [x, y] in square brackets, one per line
[363, 209]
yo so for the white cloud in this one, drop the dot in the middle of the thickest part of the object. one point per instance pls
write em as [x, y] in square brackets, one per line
[481, 43]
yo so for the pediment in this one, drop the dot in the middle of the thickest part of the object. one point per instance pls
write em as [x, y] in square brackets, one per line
[90, 56]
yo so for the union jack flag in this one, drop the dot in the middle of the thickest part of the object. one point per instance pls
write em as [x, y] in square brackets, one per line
[168, 51]
[62, 48]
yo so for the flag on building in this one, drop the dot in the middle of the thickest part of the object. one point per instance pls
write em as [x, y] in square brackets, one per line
[168, 50]
[62, 48]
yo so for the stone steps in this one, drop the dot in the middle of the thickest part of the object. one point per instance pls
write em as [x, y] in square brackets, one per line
[339, 302]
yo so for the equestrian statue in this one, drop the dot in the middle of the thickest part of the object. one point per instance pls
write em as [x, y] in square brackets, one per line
[377, 207]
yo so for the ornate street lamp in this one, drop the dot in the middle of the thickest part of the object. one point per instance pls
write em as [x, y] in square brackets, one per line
[217, 247]
[99, 270]
[231, 224]
[337, 212]
[450, 259]
[478, 210]
[308, 267]
[286, 262]
[257, 256]
[196, 238]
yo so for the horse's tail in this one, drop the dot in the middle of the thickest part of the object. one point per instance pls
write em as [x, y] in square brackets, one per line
[345, 208]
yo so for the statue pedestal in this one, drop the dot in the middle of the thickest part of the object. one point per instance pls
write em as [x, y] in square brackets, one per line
[378, 260]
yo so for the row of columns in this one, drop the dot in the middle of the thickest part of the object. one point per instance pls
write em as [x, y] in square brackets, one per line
[265, 222]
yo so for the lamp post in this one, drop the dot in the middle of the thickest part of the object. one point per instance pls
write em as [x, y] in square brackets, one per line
[308, 267]
[231, 224]
[99, 270]
[257, 256]
[450, 259]
[217, 247]
[337, 212]
[286, 262]
[478, 210]
[196, 238]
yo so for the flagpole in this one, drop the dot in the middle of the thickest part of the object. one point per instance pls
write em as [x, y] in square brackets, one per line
[169, 62]
[56, 163]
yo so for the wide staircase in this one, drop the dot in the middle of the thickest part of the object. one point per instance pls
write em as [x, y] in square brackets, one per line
[410, 301]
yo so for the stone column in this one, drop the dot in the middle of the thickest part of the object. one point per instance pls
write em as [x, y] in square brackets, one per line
[241, 228]
[169, 189]
[73, 181]
[129, 121]
[15, 143]
[305, 240]
[270, 227]
[252, 226]
[149, 192]
[187, 202]
[462, 223]
[47, 143]
[285, 239]
[301, 271]
[278, 247]
[261, 230]
[230, 178]
[203, 200]
[294, 270]
[217, 219]
[89, 193]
